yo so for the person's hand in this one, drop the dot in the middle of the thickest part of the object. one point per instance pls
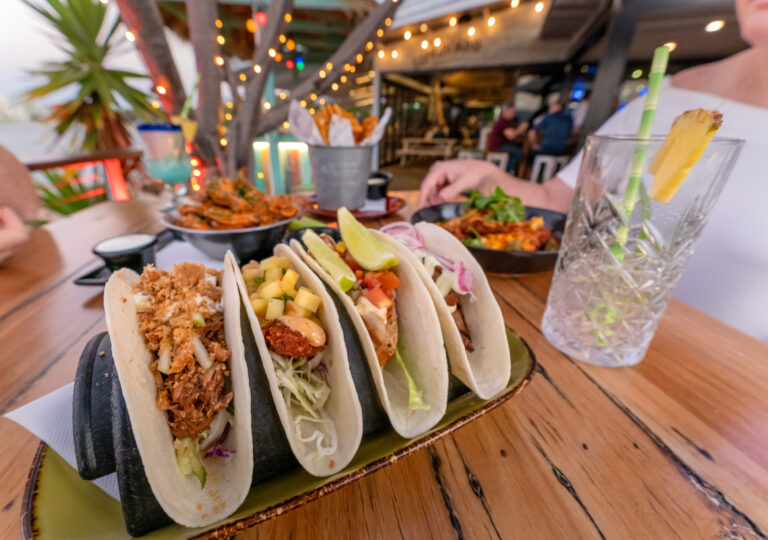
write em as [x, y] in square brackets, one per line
[13, 233]
[448, 179]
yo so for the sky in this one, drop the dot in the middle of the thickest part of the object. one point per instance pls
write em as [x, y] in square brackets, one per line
[25, 44]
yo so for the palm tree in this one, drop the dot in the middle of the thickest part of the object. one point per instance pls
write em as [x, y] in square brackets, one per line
[95, 106]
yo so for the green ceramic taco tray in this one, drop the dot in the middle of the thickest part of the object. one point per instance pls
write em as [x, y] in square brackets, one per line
[59, 504]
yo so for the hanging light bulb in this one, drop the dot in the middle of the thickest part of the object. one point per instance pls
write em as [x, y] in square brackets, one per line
[514, 3]
[369, 46]
[359, 58]
[322, 74]
[313, 96]
[387, 21]
[161, 89]
[278, 57]
[219, 24]
[267, 105]
[491, 21]
[322, 101]
[257, 68]
[243, 77]
[394, 54]
[423, 27]
[343, 78]
[220, 40]
[311, 110]
[250, 25]
[130, 36]
[424, 44]
[335, 86]
[290, 44]
[379, 32]
[407, 35]
[282, 38]
[223, 141]
[303, 102]
[352, 69]
[282, 95]
[219, 61]
[452, 22]
[539, 7]
[272, 52]
[381, 54]
[437, 42]
[288, 18]
[286, 125]
[471, 31]
[329, 66]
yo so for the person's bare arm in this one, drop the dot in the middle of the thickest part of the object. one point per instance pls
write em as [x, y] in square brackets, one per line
[13, 233]
[447, 180]
[513, 133]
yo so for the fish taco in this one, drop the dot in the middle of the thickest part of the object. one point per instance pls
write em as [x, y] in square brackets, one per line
[301, 345]
[394, 317]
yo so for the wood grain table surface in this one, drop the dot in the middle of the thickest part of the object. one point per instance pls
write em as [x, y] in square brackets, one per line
[676, 447]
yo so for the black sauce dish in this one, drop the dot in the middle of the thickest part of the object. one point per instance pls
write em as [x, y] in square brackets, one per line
[497, 261]
[378, 185]
[132, 251]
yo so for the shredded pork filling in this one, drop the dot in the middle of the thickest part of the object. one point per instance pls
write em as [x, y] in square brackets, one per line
[182, 323]
[453, 299]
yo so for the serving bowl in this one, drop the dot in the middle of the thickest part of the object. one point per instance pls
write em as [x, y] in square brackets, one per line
[499, 261]
[248, 243]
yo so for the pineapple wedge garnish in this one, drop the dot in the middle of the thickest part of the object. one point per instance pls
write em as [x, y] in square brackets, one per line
[681, 149]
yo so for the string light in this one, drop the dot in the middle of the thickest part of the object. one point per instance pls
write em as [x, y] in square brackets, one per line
[243, 77]
[352, 69]
[290, 44]
[313, 96]
[379, 32]
[288, 18]
[514, 3]
[343, 78]
[322, 74]
[311, 110]
[394, 55]
[369, 46]
[197, 172]
[282, 38]
[257, 68]
[228, 116]
[278, 57]
[303, 102]
[347, 67]
[161, 89]
[219, 24]
[491, 21]
[155, 104]
[452, 22]
[438, 42]
[637, 73]
[424, 44]
[359, 58]
[130, 36]
[334, 86]
[261, 18]
[286, 125]
[230, 104]
[194, 162]
[407, 35]
[329, 66]
[381, 54]
[471, 31]
[539, 7]
[289, 64]
[223, 141]
[322, 101]
[387, 21]
[272, 52]
[220, 40]
[423, 27]
[267, 105]
[250, 25]
[219, 61]
[283, 95]
[714, 26]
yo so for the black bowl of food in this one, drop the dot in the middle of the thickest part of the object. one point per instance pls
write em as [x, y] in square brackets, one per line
[233, 215]
[504, 236]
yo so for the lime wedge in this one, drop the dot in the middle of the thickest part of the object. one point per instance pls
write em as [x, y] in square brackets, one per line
[331, 262]
[366, 249]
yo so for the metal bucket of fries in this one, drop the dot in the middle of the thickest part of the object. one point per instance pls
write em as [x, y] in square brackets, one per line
[340, 174]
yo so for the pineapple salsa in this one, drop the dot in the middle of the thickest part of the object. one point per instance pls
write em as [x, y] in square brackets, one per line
[290, 319]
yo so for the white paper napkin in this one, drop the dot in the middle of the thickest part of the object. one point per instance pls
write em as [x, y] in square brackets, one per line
[50, 418]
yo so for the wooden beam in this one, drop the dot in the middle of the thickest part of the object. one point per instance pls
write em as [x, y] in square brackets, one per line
[354, 43]
[143, 19]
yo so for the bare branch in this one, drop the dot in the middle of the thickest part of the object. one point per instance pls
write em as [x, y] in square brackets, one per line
[252, 102]
[144, 20]
[201, 15]
[351, 46]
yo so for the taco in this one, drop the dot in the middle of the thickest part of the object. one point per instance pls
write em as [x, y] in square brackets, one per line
[472, 323]
[395, 320]
[178, 353]
[300, 341]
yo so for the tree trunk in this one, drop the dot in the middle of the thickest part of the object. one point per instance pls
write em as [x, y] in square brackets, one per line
[246, 118]
[351, 46]
[201, 17]
[143, 19]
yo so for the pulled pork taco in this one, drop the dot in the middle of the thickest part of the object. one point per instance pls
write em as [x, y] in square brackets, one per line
[472, 323]
[300, 341]
[394, 318]
[179, 356]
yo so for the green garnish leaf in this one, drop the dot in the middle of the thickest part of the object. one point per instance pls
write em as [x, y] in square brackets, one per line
[415, 399]
[502, 207]
[473, 242]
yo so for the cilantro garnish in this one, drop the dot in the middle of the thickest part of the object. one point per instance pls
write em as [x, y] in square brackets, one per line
[501, 207]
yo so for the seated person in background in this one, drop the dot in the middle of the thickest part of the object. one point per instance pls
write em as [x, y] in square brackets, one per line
[727, 276]
[505, 135]
[470, 131]
[13, 233]
[551, 136]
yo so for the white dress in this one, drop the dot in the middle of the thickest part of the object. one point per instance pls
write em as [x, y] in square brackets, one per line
[727, 276]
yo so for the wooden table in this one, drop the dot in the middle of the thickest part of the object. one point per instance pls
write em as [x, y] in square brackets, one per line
[676, 447]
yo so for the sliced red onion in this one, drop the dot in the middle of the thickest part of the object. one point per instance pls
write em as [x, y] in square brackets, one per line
[464, 278]
[216, 450]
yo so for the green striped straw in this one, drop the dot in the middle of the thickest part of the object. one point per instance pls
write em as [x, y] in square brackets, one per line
[188, 101]
[656, 75]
